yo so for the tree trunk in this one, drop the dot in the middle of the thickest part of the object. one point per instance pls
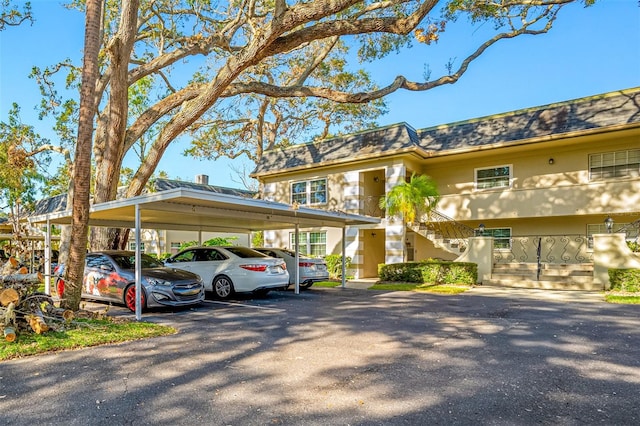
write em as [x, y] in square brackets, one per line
[74, 271]
[9, 295]
[36, 321]
[110, 148]
[9, 334]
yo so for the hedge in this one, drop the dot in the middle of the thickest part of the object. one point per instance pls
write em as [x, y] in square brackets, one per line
[334, 265]
[626, 280]
[431, 272]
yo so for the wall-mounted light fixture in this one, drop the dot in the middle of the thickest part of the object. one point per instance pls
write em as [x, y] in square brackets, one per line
[376, 179]
[608, 222]
[373, 234]
[551, 161]
[481, 229]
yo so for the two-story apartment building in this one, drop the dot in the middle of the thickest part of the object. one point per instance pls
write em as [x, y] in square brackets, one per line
[554, 170]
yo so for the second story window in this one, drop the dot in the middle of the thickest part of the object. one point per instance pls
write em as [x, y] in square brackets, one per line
[494, 177]
[611, 165]
[309, 192]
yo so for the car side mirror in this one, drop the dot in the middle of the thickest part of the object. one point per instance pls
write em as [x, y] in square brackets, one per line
[169, 260]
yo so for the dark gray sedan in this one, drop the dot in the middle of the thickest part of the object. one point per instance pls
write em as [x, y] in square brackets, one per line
[110, 276]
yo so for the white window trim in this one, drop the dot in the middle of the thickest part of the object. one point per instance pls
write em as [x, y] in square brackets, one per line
[499, 188]
[510, 237]
[307, 242]
[307, 183]
[602, 154]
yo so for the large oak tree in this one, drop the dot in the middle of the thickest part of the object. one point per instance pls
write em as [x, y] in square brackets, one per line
[234, 51]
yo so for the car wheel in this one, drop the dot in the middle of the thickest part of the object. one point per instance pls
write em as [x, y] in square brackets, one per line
[223, 287]
[130, 298]
[305, 285]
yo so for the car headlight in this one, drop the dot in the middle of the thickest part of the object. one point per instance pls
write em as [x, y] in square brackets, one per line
[158, 282]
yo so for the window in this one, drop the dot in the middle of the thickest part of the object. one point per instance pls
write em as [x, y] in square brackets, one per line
[311, 243]
[616, 164]
[309, 192]
[132, 246]
[495, 177]
[186, 256]
[96, 261]
[501, 237]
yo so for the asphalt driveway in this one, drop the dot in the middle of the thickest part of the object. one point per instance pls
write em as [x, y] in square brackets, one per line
[490, 356]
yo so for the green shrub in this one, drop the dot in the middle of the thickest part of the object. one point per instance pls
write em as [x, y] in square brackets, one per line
[216, 241]
[432, 272]
[409, 272]
[625, 280]
[334, 265]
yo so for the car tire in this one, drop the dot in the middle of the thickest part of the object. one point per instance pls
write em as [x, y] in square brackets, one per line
[306, 285]
[130, 298]
[222, 287]
[262, 292]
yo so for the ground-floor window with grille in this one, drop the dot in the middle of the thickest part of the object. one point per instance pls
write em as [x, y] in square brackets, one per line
[501, 237]
[311, 243]
[132, 246]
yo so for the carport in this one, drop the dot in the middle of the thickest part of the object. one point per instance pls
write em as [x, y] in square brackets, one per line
[198, 210]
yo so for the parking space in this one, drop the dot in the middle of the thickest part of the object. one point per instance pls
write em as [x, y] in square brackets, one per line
[347, 356]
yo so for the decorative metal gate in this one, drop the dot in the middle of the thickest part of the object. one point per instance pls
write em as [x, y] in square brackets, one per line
[556, 249]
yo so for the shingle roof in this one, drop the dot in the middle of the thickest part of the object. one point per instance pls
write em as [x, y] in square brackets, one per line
[396, 137]
[584, 114]
[595, 112]
[165, 184]
[58, 203]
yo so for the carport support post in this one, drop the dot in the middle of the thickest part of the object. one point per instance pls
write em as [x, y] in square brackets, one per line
[344, 262]
[297, 259]
[47, 259]
[138, 266]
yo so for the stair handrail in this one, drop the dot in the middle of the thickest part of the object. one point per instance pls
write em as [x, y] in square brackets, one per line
[447, 228]
[459, 230]
[629, 226]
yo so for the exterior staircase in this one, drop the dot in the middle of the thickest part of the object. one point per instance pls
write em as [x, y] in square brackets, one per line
[444, 232]
[575, 276]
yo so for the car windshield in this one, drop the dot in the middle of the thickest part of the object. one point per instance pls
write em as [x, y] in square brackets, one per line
[128, 261]
[245, 252]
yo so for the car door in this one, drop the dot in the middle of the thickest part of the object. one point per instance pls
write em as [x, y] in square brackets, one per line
[98, 277]
[205, 262]
[208, 263]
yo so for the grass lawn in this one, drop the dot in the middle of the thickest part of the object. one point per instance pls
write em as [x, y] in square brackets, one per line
[80, 334]
[622, 298]
[327, 284]
[423, 288]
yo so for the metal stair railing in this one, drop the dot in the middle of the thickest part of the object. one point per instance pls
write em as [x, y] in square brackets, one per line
[438, 228]
[631, 230]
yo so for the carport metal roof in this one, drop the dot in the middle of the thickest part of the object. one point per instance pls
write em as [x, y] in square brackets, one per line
[192, 209]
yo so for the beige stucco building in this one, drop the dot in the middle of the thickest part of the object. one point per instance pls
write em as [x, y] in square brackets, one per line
[549, 174]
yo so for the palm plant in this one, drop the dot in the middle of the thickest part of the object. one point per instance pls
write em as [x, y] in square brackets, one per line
[411, 199]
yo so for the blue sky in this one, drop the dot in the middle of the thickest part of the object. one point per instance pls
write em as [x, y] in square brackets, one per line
[589, 51]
